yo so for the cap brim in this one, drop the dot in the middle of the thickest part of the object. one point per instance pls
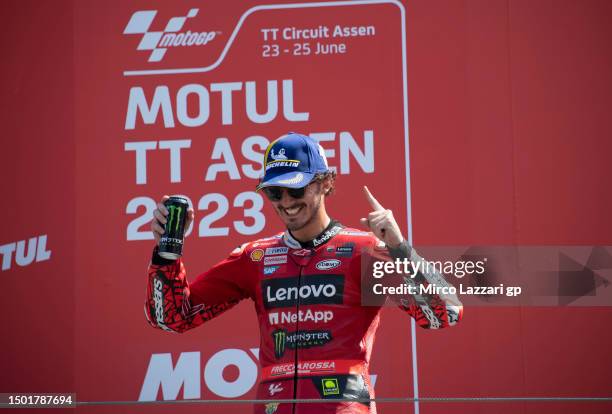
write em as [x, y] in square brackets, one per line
[294, 179]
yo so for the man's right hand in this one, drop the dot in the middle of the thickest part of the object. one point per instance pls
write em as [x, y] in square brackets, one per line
[160, 220]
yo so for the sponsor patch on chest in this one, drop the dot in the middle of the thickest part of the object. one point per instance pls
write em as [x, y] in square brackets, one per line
[328, 264]
[312, 290]
[272, 260]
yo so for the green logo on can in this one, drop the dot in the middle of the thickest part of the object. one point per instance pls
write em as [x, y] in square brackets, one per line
[174, 218]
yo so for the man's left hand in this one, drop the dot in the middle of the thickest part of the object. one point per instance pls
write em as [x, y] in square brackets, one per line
[381, 222]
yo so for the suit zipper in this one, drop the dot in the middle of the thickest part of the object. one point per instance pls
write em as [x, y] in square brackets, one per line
[297, 328]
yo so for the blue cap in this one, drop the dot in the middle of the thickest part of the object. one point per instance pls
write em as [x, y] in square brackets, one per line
[292, 161]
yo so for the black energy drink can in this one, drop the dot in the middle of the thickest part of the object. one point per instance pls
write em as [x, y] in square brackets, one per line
[171, 242]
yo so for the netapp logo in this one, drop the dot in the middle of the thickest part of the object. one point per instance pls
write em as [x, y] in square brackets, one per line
[276, 318]
[159, 42]
[315, 289]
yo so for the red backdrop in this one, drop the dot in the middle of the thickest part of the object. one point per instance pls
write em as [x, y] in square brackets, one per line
[508, 137]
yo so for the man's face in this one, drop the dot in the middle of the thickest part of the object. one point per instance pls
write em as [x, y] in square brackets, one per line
[296, 213]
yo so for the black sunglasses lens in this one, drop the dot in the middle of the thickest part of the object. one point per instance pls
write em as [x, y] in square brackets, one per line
[276, 193]
[296, 192]
[273, 193]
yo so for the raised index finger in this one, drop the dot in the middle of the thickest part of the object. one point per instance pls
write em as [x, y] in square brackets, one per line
[373, 202]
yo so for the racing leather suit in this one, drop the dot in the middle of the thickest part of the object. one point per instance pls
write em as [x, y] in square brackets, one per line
[315, 336]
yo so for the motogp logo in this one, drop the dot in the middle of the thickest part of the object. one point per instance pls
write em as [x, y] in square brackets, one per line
[159, 42]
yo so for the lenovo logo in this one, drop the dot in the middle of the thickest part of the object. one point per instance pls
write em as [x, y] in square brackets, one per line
[314, 289]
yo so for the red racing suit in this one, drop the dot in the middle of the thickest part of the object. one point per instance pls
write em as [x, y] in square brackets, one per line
[315, 336]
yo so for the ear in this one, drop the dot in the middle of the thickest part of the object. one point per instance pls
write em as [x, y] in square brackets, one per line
[327, 186]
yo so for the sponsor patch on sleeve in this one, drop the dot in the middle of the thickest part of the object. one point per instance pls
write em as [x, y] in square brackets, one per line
[256, 255]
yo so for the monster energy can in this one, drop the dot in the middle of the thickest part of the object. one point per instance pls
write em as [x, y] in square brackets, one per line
[171, 243]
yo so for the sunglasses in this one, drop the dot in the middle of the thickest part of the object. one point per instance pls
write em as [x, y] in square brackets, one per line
[276, 193]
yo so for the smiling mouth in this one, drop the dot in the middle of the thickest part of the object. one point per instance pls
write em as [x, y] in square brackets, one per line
[291, 211]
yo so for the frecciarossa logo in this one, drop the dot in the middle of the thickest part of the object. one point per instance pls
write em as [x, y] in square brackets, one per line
[313, 290]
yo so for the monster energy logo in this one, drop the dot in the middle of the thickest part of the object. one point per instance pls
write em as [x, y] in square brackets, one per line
[174, 219]
[280, 338]
[298, 339]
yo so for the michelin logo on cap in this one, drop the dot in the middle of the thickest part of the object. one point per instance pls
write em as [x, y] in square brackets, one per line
[282, 163]
[293, 161]
[280, 160]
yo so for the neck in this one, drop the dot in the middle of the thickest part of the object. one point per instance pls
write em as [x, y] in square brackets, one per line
[314, 228]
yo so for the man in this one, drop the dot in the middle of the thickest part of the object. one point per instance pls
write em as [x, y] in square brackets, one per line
[316, 337]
